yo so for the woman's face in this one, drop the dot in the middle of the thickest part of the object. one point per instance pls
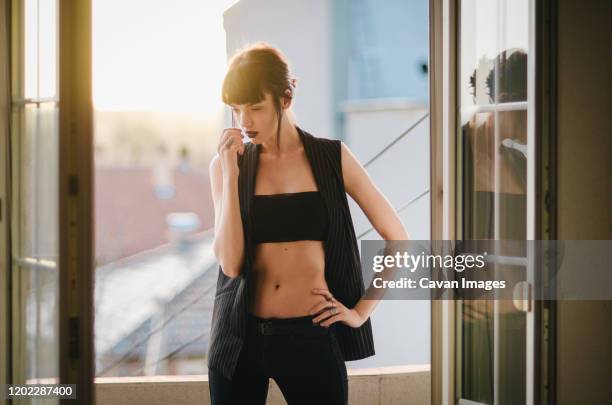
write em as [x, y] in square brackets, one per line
[258, 121]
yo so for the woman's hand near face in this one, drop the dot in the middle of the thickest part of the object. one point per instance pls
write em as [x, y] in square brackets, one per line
[230, 145]
[228, 244]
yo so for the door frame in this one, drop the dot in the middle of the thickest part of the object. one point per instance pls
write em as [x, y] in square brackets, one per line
[5, 214]
[443, 100]
[76, 209]
[76, 361]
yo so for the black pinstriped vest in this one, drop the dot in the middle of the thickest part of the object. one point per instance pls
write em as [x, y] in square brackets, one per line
[342, 263]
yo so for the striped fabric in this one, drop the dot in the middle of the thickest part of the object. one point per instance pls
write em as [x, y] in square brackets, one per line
[342, 263]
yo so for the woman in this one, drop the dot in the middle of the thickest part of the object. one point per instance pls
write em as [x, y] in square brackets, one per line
[287, 304]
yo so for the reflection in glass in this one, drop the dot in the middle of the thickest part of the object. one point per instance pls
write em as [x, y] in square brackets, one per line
[495, 169]
[478, 47]
[477, 365]
[493, 137]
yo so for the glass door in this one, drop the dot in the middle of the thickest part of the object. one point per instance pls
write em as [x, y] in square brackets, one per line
[34, 150]
[495, 182]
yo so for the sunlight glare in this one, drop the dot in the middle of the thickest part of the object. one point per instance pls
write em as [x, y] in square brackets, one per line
[151, 55]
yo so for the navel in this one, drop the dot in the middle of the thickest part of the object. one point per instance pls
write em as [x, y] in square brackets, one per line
[277, 286]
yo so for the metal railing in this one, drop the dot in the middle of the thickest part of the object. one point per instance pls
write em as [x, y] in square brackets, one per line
[381, 153]
[396, 140]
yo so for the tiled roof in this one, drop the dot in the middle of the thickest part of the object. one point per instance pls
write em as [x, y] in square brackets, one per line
[130, 218]
[184, 323]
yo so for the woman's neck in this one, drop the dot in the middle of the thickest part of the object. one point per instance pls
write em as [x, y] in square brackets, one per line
[289, 141]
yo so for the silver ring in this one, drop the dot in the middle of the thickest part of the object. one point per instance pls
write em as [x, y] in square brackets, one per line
[333, 311]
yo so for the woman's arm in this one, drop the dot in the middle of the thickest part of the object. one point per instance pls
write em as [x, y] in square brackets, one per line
[228, 244]
[376, 207]
[385, 220]
[374, 204]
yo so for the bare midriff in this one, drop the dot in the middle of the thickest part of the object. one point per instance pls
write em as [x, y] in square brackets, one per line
[284, 274]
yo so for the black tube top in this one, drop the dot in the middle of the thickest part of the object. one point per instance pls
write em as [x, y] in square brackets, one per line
[289, 217]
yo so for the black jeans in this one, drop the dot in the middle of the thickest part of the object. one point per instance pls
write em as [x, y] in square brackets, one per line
[305, 362]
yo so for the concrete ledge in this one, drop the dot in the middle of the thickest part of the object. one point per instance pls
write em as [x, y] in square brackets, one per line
[406, 385]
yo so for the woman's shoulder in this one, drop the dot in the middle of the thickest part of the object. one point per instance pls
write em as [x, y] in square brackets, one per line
[330, 142]
[323, 141]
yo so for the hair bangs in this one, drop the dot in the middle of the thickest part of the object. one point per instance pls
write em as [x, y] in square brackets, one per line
[243, 84]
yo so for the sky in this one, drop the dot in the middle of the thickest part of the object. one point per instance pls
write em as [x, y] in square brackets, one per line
[152, 55]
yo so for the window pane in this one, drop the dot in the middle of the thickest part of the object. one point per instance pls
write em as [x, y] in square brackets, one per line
[36, 191]
[493, 126]
[478, 48]
[515, 28]
[41, 291]
[40, 48]
[48, 48]
[495, 172]
[477, 365]
[31, 48]
[38, 194]
[34, 152]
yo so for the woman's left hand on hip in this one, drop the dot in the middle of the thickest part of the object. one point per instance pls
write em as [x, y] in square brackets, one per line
[326, 317]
